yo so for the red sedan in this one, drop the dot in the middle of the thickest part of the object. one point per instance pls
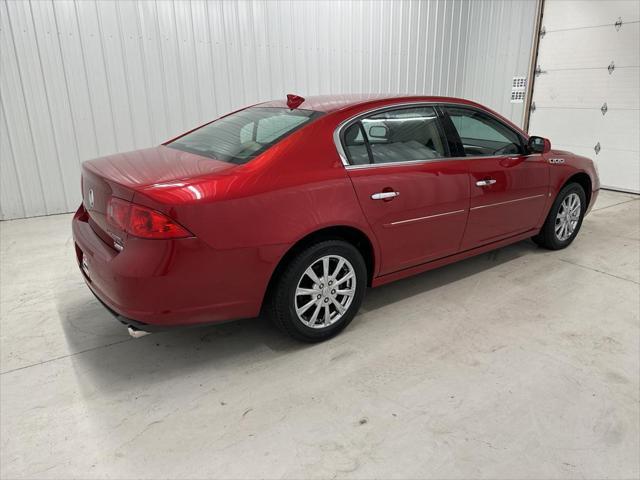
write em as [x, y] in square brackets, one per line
[295, 207]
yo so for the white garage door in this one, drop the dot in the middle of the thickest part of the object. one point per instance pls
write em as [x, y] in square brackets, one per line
[586, 96]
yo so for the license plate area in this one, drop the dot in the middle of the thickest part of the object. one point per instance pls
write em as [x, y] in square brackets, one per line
[83, 262]
[85, 265]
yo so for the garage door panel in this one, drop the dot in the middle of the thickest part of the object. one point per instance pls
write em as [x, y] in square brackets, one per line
[563, 49]
[568, 127]
[588, 88]
[579, 44]
[619, 169]
[621, 129]
[623, 88]
[585, 13]
[586, 128]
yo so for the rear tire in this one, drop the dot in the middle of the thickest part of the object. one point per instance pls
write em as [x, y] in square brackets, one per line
[319, 291]
[564, 220]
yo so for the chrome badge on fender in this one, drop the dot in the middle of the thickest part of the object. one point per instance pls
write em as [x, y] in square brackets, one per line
[556, 160]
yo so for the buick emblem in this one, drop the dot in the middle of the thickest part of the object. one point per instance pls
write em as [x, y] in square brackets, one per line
[91, 198]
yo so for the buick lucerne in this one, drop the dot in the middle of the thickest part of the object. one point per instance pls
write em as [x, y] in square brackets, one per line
[295, 207]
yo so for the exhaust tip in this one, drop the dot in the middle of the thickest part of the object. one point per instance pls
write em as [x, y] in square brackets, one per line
[136, 333]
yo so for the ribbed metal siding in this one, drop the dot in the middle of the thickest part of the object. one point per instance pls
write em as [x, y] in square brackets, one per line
[81, 79]
[499, 41]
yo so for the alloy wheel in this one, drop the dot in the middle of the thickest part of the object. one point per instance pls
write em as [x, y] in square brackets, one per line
[325, 291]
[568, 217]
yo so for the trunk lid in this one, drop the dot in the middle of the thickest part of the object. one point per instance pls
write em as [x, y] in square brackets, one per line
[96, 193]
[146, 167]
[123, 174]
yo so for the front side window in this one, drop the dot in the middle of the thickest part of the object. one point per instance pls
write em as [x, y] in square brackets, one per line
[406, 134]
[482, 135]
[242, 136]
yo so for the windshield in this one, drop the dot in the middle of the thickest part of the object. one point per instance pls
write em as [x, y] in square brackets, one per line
[242, 136]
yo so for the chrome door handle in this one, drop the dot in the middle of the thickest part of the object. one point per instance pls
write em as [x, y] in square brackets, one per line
[384, 195]
[486, 182]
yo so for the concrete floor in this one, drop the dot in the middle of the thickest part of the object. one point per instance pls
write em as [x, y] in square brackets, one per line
[520, 363]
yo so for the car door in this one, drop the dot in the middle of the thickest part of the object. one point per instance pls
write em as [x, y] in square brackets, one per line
[414, 197]
[508, 186]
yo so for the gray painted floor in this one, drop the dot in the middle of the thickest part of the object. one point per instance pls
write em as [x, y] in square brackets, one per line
[521, 363]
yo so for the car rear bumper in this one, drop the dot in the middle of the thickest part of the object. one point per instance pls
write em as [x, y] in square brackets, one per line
[167, 283]
[129, 322]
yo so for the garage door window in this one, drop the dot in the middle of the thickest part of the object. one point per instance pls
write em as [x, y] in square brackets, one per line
[482, 135]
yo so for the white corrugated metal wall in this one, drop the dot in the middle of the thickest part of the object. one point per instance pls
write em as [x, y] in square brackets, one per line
[81, 79]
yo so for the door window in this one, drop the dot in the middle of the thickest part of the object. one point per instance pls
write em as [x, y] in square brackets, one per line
[406, 134]
[482, 135]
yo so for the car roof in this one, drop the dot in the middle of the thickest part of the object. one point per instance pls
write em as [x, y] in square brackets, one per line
[334, 103]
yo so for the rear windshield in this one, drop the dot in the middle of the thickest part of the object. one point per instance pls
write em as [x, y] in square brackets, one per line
[242, 136]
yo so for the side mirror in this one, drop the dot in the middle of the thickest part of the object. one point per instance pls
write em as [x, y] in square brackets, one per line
[378, 131]
[539, 145]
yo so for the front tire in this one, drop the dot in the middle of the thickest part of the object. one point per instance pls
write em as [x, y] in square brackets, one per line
[565, 218]
[319, 291]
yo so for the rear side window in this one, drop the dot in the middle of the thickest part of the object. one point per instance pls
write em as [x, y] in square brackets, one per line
[357, 150]
[242, 136]
[401, 135]
[482, 135]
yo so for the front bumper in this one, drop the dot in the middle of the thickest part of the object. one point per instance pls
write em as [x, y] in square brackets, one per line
[153, 284]
[592, 201]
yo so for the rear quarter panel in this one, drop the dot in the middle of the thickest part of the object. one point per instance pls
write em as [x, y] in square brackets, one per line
[293, 189]
[252, 217]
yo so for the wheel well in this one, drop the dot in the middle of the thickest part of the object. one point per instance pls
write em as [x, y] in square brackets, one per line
[584, 181]
[348, 234]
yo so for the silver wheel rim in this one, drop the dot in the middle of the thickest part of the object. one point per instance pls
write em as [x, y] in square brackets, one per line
[568, 217]
[325, 291]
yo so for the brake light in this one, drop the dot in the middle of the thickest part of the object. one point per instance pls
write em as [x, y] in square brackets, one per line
[118, 213]
[143, 222]
[147, 223]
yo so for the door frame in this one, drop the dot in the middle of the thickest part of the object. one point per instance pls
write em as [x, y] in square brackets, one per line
[453, 140]
[338, 134]
[455, 137]
[524, 154]
[371, 170]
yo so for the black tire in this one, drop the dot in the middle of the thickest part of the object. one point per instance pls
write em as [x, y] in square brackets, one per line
[547, 237]
[281, 304]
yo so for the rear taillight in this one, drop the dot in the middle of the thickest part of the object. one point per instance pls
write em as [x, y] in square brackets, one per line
[147, 223]
[118, 212]
[143, 222]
